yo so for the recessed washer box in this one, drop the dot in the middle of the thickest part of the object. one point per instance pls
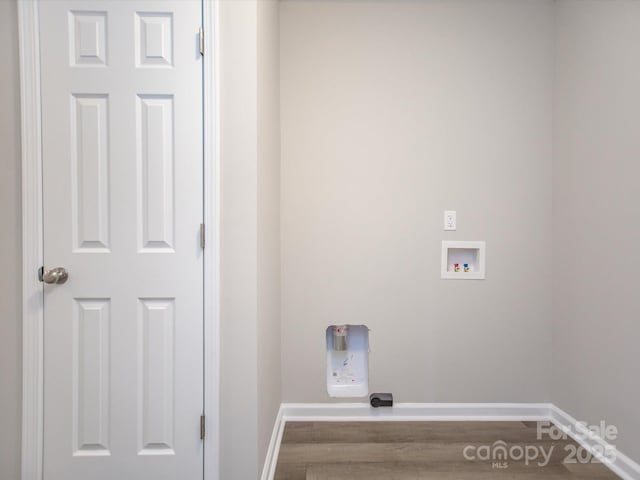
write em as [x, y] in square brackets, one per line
[473, 254]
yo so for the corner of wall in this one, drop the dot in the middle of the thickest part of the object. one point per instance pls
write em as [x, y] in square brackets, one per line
[268, 197]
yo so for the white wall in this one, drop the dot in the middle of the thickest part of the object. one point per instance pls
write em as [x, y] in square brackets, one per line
[596, 221]
[10, 247]
[250, 293]
[268, 75]
[391, 113]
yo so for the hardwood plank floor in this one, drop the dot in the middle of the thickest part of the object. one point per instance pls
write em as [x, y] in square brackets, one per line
[426, 450]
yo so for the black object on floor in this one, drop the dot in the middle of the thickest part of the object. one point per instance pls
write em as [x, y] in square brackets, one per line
[381, 400]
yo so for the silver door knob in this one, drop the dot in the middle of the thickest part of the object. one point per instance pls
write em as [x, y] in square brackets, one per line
[56, 276]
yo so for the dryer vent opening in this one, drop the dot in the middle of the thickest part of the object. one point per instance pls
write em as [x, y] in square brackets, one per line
[347, 360]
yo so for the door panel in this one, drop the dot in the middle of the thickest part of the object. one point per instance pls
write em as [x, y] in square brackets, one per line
[90, 376]
[90, 172]
[155, 171]
[122, 187]
[157, 348]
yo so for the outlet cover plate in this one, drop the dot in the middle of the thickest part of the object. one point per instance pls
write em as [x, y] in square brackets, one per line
[450, 220]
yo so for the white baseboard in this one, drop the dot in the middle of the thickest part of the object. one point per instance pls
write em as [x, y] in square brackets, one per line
[349, 412]
[424, 412]
[622, 465]
[271, 460]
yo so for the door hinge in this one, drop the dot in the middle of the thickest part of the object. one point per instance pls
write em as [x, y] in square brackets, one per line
[202, 237]
[201, 427]
[201, 41]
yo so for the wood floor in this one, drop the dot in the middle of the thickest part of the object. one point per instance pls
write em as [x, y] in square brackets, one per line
[425, 450]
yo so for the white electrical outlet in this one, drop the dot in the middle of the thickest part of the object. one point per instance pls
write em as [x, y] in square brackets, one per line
[450, 220]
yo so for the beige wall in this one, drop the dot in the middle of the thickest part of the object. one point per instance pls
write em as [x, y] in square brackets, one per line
[269, 374]
[238, 315]
[10, 247]
[596, 220]
[250, 292]
[393, 112]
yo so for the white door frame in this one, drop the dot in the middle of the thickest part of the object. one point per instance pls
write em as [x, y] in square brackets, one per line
[32, 244]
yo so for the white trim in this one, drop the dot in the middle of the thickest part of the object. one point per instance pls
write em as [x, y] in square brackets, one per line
[212, 242]
[32, 245]
[622, 466]
[353, 412]
[32, 230]
[271, 459]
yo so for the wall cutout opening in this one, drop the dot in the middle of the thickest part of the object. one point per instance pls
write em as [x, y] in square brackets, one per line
[347, 360]
[463, 260]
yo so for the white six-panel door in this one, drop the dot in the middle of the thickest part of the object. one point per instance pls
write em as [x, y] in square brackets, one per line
[122, 190]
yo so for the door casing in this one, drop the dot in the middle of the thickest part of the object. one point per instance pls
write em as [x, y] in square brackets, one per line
[33, 238]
